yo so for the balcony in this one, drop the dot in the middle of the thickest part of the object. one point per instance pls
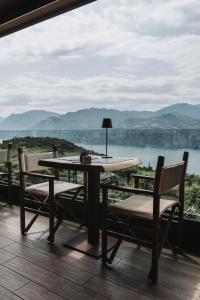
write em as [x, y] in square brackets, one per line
[32, 268]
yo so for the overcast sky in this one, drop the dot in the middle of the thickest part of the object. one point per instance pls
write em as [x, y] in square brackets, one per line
[123, 54]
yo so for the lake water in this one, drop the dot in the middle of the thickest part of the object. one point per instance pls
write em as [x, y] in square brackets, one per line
[148, 155]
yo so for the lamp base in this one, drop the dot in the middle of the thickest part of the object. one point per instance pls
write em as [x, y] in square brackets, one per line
[106, 156]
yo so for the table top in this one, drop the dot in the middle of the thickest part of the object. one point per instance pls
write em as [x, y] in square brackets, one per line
[98, 163]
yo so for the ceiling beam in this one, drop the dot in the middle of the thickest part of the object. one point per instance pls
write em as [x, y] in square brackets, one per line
[23, 14]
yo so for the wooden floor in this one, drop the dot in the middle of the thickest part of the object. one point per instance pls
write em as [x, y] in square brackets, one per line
[32, 269]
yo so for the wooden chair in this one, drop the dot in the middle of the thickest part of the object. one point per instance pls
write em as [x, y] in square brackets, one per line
[46, 198]
[6, 175]
[145, 206]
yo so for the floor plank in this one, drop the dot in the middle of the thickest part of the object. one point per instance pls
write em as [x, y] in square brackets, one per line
[136, 277]
[32, 291]
[56, 266]
[6, 295]
[4, 242]
[5, 255]
[113, 290]
[10, 279]
[51, 281]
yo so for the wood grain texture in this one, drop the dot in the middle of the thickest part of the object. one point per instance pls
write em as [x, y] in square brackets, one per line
[6, 295]
[49, 263]
[11, 280]
[31, 269]
[50, 280]
[5, 255]
[32, 291]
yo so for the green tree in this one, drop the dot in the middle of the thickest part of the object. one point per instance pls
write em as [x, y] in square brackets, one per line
[192, 196]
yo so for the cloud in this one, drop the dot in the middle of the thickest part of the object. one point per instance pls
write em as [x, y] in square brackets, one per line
[117, 53]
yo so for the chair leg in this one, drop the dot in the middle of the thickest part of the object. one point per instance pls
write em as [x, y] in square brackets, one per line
[9, 178]
[153, 273]
[31, 222]
[164, 235]
[104, 257]
[51, 229]
[22, 214]
[34, 218]
[51, 211]
[157, 247]
[57, 225]
[114, 251]
[51, 222]
[104, 246]
[9, 196]
[179, 247]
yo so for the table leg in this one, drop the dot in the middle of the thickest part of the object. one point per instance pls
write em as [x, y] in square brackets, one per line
[93, 207]
[87, 241]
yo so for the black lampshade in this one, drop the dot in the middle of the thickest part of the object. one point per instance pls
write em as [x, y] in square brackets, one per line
[107, 123]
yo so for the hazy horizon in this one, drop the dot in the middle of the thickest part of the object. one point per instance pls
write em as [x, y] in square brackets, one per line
[113, 54]
[137, 110]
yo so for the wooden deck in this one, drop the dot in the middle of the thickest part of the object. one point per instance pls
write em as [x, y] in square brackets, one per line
[32, 269]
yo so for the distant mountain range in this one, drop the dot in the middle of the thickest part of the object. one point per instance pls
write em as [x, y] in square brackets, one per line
[165, 121]
[177, 116]
[25, 120]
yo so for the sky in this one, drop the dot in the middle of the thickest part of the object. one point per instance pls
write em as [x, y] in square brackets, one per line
[121, 54]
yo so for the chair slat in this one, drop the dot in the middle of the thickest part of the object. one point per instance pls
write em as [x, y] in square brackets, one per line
[171, 177]
[31, 161]
[3, 156]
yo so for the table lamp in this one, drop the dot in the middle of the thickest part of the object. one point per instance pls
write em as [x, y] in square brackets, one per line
[107, 123]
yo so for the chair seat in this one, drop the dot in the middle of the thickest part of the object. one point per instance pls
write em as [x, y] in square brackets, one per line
[59, 187]
[141, 206]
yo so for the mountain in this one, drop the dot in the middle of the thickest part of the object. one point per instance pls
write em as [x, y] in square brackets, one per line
[86, 119]
[185, 109]
[165, 121]
[25, 120]
[175, 116]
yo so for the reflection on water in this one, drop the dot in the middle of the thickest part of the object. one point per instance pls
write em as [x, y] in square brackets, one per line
[147, 154]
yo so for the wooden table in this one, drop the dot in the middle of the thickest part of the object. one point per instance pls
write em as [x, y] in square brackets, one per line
[93, 170]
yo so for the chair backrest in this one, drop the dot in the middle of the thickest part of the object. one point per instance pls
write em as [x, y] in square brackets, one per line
[28, 162]
[170, 176]
[5, 154]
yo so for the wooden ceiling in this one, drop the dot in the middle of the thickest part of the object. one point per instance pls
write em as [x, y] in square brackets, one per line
[18, 14]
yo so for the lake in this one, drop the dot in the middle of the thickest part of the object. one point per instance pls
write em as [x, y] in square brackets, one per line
[148, 155]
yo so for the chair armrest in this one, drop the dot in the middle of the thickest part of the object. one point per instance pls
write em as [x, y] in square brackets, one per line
[143, 177]
[126, 189]
[2, 174]
[38, 175]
